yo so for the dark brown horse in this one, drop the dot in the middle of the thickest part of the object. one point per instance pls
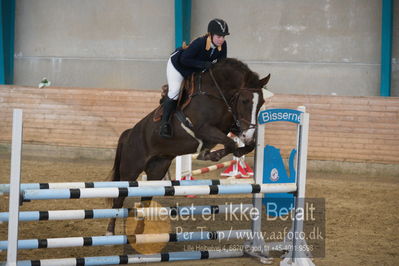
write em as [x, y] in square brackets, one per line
[226, 98]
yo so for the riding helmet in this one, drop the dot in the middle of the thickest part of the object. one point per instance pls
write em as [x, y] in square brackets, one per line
[219, 27]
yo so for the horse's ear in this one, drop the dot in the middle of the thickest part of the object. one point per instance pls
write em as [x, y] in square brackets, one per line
[264, 81]
[267, 94]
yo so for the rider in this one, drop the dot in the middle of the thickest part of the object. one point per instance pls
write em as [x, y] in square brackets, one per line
[198, 56]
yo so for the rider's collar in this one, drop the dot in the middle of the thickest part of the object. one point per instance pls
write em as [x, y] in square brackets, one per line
[210, 45]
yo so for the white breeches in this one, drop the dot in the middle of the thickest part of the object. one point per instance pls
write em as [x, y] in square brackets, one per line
[174, 80]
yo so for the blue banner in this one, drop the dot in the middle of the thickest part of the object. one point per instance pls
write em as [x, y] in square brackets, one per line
[275, 115]
[274, 171]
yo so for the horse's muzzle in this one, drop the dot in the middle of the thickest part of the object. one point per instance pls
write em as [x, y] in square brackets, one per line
[247, 136]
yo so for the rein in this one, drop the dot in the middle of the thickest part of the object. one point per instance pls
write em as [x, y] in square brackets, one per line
[236, 121]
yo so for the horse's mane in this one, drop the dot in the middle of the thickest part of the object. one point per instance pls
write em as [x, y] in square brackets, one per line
[251, 78]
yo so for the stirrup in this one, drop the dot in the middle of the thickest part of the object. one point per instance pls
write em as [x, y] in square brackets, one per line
[165, 130]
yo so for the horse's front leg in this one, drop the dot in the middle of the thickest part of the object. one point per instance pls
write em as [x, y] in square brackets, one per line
[218, 154]
[215, 136]
[239, 152]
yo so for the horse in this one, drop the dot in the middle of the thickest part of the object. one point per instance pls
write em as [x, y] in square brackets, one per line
[226, 98]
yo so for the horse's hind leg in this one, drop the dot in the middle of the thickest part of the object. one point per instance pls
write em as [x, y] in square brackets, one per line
[155, 169]
[128, 171]
[116, 203]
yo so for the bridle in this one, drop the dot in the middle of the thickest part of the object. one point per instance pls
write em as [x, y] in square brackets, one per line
[233, 100]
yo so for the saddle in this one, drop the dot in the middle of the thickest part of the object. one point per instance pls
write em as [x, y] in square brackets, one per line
[187, 91]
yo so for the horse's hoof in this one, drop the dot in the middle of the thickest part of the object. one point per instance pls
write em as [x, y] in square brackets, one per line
[238, 154]
[109, 234]
[139, 227]
[215, 157]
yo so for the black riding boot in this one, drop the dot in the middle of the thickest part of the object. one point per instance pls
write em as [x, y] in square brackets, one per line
[169, 105]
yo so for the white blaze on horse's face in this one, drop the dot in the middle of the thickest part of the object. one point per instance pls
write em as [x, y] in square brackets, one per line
[248, 135]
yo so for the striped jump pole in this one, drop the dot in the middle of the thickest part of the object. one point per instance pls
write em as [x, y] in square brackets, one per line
[5, 188]
[130, 239]
[81, 193]
[124, 212]
[265, 182]
[211, 168]
[191, 210]
[185, 172]
[134, 259]
[239, 169]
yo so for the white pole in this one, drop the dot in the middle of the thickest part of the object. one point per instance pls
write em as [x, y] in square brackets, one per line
[183, 165]
[303, 152]
[303, 158]
[258, 242]
[15, 175]
[239, 160]
[178, 168]
[299, 257]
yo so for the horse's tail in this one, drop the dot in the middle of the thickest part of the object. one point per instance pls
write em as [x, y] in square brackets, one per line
[115, 172]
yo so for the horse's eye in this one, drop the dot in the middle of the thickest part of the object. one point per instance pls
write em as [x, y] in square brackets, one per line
[245, 101]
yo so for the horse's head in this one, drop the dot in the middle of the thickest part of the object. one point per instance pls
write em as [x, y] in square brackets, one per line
[243, 87]
[249, 101]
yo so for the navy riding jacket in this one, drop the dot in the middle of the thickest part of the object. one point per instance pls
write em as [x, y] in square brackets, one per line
[197, 56]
